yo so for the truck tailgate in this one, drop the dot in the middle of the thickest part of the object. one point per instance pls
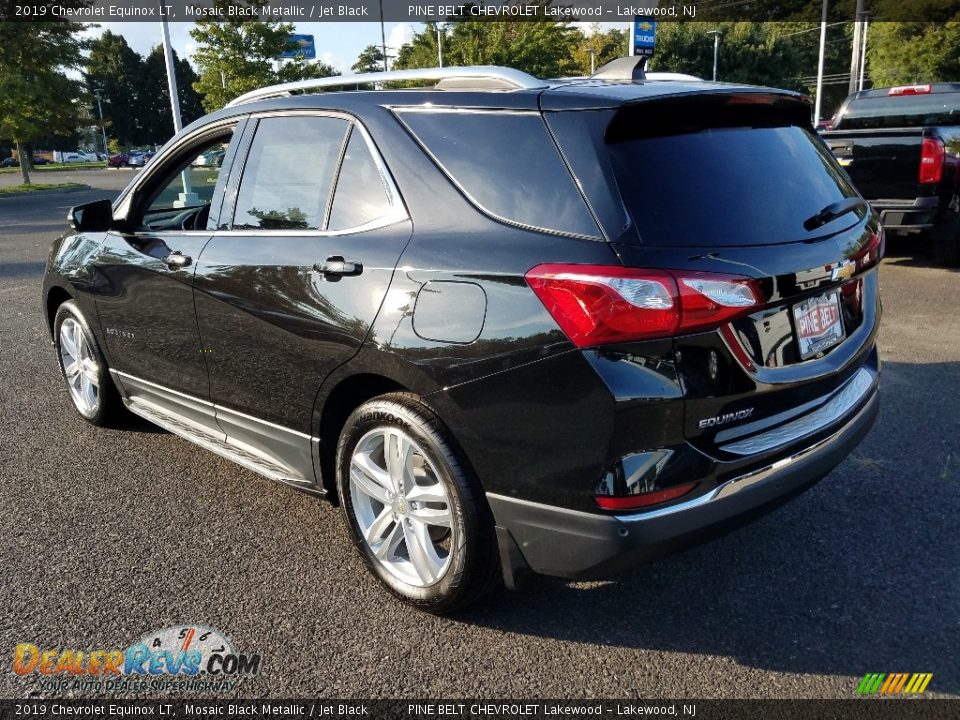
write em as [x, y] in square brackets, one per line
[883, 164]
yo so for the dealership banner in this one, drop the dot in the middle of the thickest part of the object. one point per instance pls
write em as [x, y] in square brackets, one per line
[512, 709]
[589, 11]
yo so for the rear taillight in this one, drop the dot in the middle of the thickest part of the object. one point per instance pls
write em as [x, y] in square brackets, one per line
[600, 304]
[931, 161]
[642, 500]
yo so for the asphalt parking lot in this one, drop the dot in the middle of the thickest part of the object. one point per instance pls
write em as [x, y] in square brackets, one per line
[108, 534]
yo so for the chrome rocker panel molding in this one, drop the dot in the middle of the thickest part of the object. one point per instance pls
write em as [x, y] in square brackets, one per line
[268, 449]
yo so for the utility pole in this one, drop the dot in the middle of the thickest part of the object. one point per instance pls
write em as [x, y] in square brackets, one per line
[716, 49]
[818, 104]
[855, 55]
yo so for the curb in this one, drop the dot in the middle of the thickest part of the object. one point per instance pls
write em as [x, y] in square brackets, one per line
[45, 191]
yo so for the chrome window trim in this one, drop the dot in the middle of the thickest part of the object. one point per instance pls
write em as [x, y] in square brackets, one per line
[398, 211]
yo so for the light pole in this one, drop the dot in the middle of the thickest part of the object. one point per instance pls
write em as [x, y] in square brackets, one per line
[818, 103]
[716, 50]
[593, 60]
[439, 46]
[106, 150]
[383, 39]
[863, 50]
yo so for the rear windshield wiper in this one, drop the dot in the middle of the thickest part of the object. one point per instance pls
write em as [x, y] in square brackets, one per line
[833, 211]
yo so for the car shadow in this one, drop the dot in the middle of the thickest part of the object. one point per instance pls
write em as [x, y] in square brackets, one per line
[860, 574]
[912, 251]
[17, 270]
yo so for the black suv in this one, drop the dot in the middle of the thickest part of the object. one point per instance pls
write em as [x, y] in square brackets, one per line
[508, 325]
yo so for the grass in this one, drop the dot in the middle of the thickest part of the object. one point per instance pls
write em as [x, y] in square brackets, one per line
[59, 166]
[33, 187]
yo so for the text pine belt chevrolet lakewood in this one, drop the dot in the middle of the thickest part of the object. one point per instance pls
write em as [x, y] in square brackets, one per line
[509, 325]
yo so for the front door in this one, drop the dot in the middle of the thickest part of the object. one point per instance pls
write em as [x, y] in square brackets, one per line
[146, 303]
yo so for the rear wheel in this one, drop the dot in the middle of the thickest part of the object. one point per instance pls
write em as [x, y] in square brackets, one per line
[417, 517]
[84, 368]
[946, 240]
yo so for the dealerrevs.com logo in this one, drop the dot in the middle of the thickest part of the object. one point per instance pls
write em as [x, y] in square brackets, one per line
[894, 683]
[176, 658]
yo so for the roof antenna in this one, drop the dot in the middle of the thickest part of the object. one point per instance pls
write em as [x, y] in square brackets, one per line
[630, 68]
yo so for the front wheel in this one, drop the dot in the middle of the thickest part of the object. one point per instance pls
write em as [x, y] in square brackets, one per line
[417, 516]
[84, 368]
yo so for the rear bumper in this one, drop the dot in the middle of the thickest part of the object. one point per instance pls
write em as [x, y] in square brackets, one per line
[568, 543]
[916, 214]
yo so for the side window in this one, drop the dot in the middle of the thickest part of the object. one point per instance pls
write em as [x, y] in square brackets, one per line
[182, 201]
[361, 195]
[289, 173]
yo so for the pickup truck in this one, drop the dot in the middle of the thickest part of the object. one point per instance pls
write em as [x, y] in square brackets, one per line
[901, 148]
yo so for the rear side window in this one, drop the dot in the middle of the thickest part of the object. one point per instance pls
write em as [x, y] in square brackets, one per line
[901, 111]
[361, 195]
[289, 173]
[728, 185]
[507, 165]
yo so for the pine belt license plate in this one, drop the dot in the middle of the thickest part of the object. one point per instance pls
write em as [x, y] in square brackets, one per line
[819, 323]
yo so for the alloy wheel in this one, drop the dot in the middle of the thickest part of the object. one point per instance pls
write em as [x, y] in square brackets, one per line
[79, 367]
[402, 507]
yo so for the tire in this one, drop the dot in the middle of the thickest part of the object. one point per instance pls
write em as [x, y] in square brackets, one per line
[946, 240]
[88, 381]
[424, 529]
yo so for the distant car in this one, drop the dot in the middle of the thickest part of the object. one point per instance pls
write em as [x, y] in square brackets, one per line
[9, 162]
[139, 159]
[69, 158]
[39, 161]
[211, 158]
[118, 161]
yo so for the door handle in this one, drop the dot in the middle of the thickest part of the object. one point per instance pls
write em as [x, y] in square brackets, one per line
[177, 260]
[336, 266]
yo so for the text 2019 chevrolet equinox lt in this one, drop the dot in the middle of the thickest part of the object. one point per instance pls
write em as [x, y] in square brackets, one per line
[509, 325]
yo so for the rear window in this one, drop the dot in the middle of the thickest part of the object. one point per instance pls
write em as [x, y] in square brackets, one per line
[724, 186]
[898, 111]
[507, 165]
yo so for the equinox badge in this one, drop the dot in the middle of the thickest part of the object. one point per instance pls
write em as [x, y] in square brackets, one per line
[726, 418]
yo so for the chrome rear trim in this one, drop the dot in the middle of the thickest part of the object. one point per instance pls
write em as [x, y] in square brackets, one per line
[835, 408]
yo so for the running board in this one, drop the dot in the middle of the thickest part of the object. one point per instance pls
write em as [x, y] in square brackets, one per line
[219, 444]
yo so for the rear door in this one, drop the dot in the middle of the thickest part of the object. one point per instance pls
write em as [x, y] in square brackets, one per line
[883, 164]
[288, 289]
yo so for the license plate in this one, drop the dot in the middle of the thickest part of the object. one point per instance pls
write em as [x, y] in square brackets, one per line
[818, 323]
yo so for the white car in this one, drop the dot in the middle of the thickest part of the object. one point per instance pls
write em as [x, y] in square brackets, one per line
[78, 157]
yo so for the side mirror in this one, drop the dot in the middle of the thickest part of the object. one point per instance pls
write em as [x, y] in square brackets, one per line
[96, 216]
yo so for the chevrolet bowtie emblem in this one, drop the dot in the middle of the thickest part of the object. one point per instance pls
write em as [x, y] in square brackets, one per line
[842, 270]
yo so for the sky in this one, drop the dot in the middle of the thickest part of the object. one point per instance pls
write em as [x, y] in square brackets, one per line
[338, 44]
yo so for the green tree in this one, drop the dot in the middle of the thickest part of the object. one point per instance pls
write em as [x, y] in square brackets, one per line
[115, 72]
[154, 111]
[37, 98]
[371, 60]
[241, 54]
[539, 48]
[912, 52]
[606, 46]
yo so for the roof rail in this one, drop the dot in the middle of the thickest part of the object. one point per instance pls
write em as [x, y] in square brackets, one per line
[490, 77]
